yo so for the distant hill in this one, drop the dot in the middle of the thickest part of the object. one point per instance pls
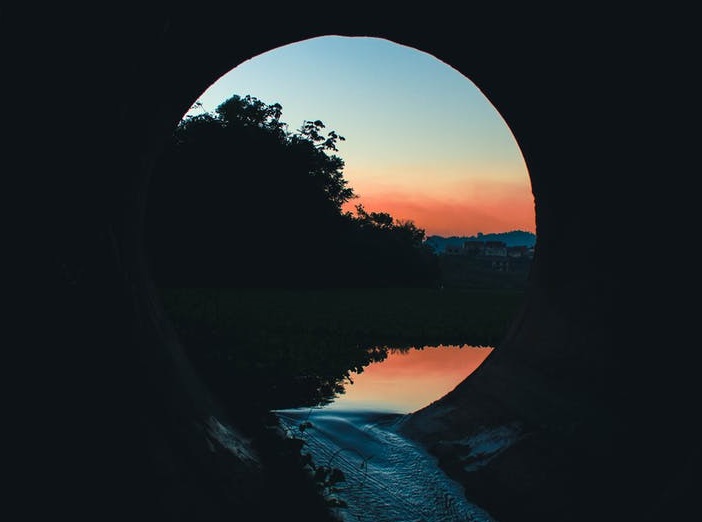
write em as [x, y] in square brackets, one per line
[511, 238]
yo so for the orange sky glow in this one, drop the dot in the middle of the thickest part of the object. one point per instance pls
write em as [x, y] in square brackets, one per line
[405, 382]
[454, 218]
[457, 209]
[422, 142]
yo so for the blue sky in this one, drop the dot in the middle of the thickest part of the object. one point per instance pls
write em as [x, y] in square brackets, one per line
[422, 141]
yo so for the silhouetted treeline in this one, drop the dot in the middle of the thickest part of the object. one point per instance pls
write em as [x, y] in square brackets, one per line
[238, 200]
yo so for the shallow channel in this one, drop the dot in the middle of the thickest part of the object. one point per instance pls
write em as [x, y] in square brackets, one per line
[386, 477]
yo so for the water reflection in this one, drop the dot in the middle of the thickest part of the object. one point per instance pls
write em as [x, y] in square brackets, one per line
[385, 477]
[408, 379]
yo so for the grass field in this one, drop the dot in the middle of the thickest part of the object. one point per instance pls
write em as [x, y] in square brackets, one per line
[260, 350]
[394, 316]
[283, 346]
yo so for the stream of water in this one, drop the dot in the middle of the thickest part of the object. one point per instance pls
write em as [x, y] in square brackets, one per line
[388, 478]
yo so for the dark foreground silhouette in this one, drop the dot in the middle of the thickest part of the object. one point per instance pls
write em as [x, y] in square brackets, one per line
[105, 417]
[237, 200]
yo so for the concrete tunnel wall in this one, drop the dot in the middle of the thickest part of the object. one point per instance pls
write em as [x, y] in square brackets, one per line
[575, 371]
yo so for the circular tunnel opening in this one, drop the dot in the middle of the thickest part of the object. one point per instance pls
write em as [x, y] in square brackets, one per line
[332, 205]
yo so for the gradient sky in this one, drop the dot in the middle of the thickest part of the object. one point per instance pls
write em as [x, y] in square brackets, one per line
[408, 381]
[422, 141]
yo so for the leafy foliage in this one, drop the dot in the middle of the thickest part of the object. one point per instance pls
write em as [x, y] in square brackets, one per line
[238, 200]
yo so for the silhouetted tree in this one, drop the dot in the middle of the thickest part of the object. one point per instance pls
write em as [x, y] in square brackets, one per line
[326, 169]
[237, 199]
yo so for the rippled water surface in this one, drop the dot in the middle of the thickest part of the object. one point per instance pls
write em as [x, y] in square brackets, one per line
[389, 478]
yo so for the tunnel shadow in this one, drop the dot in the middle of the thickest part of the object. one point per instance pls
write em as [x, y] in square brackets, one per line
[598, 359]
[251, 255]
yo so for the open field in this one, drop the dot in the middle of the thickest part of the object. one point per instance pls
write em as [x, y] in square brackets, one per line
[399, 317]
[299, 345]
[261, 350]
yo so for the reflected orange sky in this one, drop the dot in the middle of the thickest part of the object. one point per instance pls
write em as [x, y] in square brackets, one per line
[406, 382]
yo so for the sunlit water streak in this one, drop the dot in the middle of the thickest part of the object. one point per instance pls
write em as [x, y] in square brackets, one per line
[388, 478]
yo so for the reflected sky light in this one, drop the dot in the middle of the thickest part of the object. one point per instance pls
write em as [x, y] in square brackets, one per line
[408, 381]
[422, 141]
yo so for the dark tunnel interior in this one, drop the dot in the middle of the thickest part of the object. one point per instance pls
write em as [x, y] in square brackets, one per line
[598, 365]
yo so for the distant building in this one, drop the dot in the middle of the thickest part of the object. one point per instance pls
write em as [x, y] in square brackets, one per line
[495, 248]
[495, 255]
[520, 251]
[498, 263]
[454, 250]
[473, 248]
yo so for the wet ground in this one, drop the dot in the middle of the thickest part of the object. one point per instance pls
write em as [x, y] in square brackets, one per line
[379, 474]
[387, 478]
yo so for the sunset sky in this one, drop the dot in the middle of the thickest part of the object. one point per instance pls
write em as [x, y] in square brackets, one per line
[406, 382]
[422, 141]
